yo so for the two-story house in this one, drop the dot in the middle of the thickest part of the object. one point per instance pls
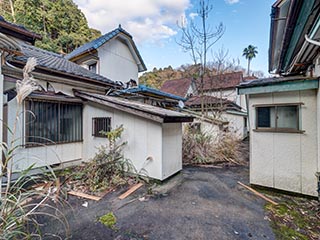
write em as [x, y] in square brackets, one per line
[59, 124]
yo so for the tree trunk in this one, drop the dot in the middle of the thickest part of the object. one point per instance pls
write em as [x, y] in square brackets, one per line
[248, 73]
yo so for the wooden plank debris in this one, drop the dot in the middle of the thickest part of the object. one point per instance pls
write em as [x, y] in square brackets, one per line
[209, 166]
[258, 194]
[84, 195]
[130, 191]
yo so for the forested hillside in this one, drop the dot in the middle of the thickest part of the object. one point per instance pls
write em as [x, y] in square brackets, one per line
[157, 77]
[60, 22]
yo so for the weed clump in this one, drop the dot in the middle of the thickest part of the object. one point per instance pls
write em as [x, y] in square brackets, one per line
[108, 220]
[200, 147]
[109, 167]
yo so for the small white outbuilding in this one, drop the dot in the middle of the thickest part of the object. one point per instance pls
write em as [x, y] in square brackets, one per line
[154, 135]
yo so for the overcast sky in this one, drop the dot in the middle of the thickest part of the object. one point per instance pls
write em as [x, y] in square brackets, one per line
[153, 26]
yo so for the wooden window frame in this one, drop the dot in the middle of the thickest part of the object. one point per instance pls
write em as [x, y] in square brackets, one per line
[100, 124]
[276, 129]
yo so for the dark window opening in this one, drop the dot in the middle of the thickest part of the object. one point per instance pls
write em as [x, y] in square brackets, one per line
[93, 67]
[264, 117]
[100, 125]
[53, 122]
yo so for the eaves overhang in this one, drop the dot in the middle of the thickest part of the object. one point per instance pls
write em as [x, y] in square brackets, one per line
[306, 17]
[275, 85]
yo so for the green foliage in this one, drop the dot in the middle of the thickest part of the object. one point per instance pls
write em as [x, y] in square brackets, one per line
[108, 167]
[250, 52]
[60, 22]
[157, 77]
[108, 220]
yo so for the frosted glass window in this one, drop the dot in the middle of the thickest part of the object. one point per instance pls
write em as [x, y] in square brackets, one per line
[287, 117]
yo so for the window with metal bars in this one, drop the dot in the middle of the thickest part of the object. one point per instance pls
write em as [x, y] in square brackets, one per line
[99, 125]
[53, 122]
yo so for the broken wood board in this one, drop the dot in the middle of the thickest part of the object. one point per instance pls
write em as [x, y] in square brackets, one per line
[258, 194]
[130, 191]
[84, 195]
[209, 166]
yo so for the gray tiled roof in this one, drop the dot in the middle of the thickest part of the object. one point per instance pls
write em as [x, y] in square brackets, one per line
[95, 44]
[137, 108]
[53, 61]
[18, 31]
[270, 81]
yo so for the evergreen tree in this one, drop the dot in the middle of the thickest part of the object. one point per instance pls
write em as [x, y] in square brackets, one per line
[60, 22]
[249, 53]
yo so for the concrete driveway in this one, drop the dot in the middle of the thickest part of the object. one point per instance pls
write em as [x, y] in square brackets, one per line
[198, 203]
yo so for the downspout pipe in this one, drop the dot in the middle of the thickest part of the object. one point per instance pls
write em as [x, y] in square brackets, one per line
[309, 40]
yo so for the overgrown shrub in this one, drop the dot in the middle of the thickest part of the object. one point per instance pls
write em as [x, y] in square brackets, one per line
[200, 147]
[108, 167]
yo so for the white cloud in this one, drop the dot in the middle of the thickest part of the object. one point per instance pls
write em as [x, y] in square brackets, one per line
[193, 15]
[146, 20]
[232, 1]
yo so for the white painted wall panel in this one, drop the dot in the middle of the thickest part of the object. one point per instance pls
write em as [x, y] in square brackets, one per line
[293, 157]
[236, 124]
[172, 148]
[261, 159]
[144, 138]
[116, 61]
[309, 142]
[287, 162]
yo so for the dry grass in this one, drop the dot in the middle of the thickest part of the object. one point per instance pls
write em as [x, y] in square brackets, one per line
[20, 206]
[202, 148]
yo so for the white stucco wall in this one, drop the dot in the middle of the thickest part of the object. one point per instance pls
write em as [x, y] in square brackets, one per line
[286, 161]
[171, 149]
[146, 140]
[116, 61]
[236, 124]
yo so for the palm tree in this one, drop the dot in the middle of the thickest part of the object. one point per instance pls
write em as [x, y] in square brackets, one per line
[249, 52]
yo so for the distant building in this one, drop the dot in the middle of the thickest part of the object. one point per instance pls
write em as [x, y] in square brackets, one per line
[220, 100]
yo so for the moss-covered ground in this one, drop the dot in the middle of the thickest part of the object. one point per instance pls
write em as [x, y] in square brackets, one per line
[294, 217]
